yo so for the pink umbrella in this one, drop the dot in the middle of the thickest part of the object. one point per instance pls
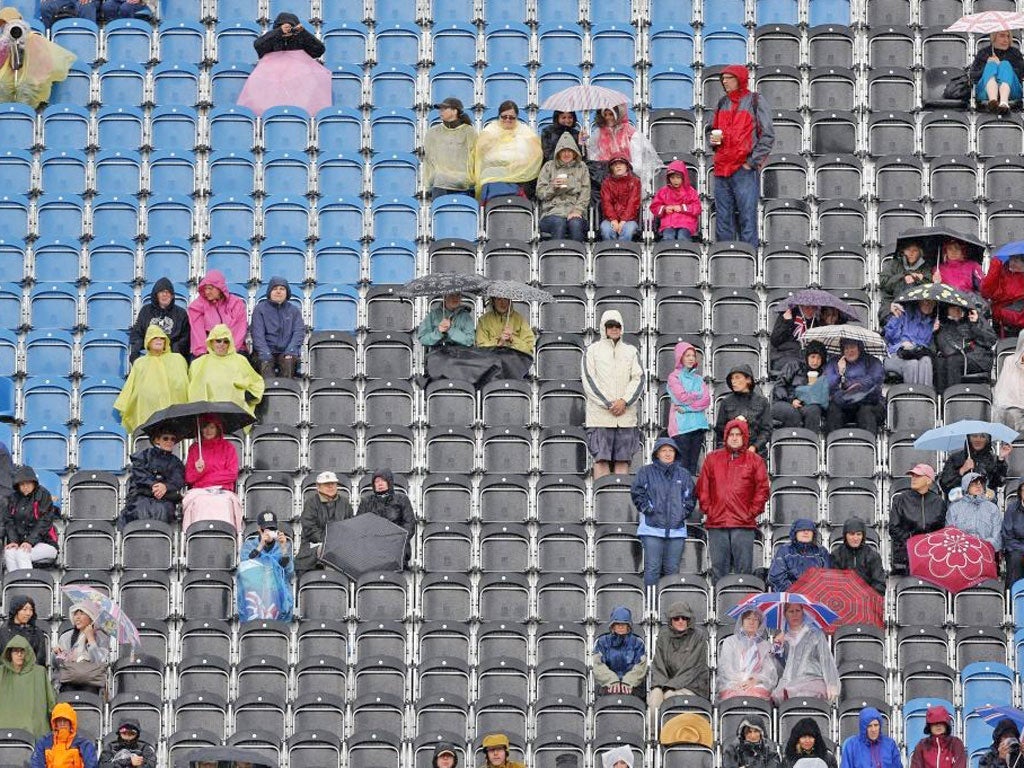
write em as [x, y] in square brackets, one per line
[287, 78]
[951, 559]
[579, 98]
[986, 22]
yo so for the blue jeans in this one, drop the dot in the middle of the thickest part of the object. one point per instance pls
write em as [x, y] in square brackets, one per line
[560, 228]
[732, 551]
[436, 192]
[1003, 73]
[736, 206]
[628, 230]
[662, 557]
[676, 233]
[689, 445]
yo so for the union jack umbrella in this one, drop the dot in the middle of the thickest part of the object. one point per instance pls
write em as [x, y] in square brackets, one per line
[771, 605]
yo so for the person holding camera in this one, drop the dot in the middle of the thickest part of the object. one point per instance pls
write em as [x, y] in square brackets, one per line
[1005, 749]
[127, 749]
[265, 573]
[288, 34]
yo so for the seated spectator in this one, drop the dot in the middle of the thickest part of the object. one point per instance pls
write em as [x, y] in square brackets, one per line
[1008, 393]
[1003, 286]
[965, 346]
[502, 328]
[977, 456]
[677, 204]
[448, 152]
[155, 484]
[784, 344]
[613, 135]
[157, 380]
[800, 394]
[561, 122]
[939, 748]
[745, 402]
[287, 73]
[451, 322]
[871, 748]
[919, 509]
[956, 269]
[63, 747]
[445, 755]
[322, 507]
[394, 507]
[26, 696]
[853, 554]
[214, 306]
[620, 201]
[277, 332]
[83, 652]
[689, 397]
[29, 70]
[620, 657]
[96, 12]
[1005, 749]
[855, 388]
[1012, 535]
[802, 552]
[663, 494]
[746, 666]
[680, 665]
[211, 471]
[265, 573]
[31, 539]
[751, 748]
[224, 375]
[563, 191]
[288, 34]
[806, 743]
[508, 156]
[808, 667]
[128, 750]
[904, 270]
[997, 71]
[496, 747]
[21, 620]
[613, 382]
[908, 335]
[618, 757]
[975, 512]
[162, 312]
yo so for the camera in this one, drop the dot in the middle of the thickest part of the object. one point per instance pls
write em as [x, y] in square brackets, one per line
[16, 30]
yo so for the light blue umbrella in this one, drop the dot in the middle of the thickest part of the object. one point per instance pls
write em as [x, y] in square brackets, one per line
[952, 437]
[993, 713]
[1005, 252]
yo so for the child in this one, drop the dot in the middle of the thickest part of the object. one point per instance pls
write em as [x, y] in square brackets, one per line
[743, 402]
[677, 204]
[620, 201]
[956, 269]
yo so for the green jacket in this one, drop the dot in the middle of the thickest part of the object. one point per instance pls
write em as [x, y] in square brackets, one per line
[26, 696]
[575, 195]
[461, 333]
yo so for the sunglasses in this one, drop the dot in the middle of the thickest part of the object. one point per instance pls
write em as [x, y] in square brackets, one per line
[508, 118]
[220, 341]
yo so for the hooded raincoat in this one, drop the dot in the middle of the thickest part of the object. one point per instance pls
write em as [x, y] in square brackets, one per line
[792, 383]
[151, 466]
[492, 323]
[117, 752]
[265, 578]
[510, 156]
[740, 753]
[30, 518]
[172, 320]
[392, 506]
[1004, 729]
[986, 462]
[976, 515]
[611, 371]
[317, 512]
[751, 405]
[220, 458]
[64, 749]
[968, 346]
[746, 665]
[945, 751]
[30, 631]
[620, 195]
[807, 726]
[912, 326]
[448, 155]
[440, 749]
[861, 752]
[864, 559]
[26, 696]
[573, 198]
[733, 487]
[684, 196]
[964, 275]
[204, 315]
[620, 658]
[746, 124]
[156, 381]
[808, 667]
[681, 657]
[224, 378]
[461, 332]
[277, 329]
[1008, 393]
[663, 495]
[1005, 290]
[689, 394]
[791, 560]
[275, 39]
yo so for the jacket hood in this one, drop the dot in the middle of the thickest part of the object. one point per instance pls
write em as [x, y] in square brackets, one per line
[620, 615]
[681, 348]
[621, 159]
[742, 426]
[63, 709]
[816, 348]
[276, 281]
[130, 722]
[215, 277]
[938, 714]
[17, 603]
[155, 331]
[745, 370]
[1005, 727]
[867, 716]
[854, 525]
[661, 443]
[18, 641]
[970, 477]
[612, 756]
[761, 631]
[611, 314]
[566, 141]
[678, 166]
[25, 474]
[220, 331]
[386, 475]
[805, 726]
[679, 608]
[802, 524]
[740, 73]
[286, 18]
[441, 748]
[751, 721]
[212, 418]
[162, 284]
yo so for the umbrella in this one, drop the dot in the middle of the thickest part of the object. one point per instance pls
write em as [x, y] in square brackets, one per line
[514, 290]
[952, 437]
[951, 559]
[845, 592]
[363, 544]
[109, 616]
[940, 292]
[578, 98]
[994, 713]
[1004, 252]
[987, 22]
[814, 297]
[931, 239]
[768, 603]
[832, 337]
[226, 756]
[442, 283]
[275, 83]
[182, 419]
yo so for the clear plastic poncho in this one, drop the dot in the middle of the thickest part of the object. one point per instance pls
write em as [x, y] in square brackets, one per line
[624, 140]
[448, 156]
[809, 669]
[264, 585]
[746, 664]
[30, 66]
[509, 155]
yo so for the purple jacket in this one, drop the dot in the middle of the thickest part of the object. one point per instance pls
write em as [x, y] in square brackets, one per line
[861, 384]
[911, 326]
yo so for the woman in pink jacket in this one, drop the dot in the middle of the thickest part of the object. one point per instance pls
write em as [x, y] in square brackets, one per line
[687, 415]
[956, 269]
[214, 305]
[677, 204]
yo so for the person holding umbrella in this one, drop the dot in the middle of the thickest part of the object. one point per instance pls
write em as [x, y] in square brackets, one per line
[224, 375]
[746, 666]
[956, 268]
[211, 471]
[808, 667]
[918, 509]
[965, 346]
[1005, 749]
[853, 554]
[855, 388]
[448, 151]
[907, 268]
[288, 34]
[83, 652]
[393, 507]
[1003, 286]
[978, 455]
[997, 72]
[451, 322]
[788, 330]
[503, 328]
[802, 552]
[908, 335]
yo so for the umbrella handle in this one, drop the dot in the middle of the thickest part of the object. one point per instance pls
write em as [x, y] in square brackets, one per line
[200, 440]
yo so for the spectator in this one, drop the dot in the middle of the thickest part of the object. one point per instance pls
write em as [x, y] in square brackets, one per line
[322, 507]
[128, 750]
[620, 657]
[677, 204]
[732, 489]
[83, 652]
[30, 78]
[563, 191]
[908, 335]
[965, 346]
[997, 71]
[63, 747]
[508, 156]
[21, 620]
[918, 509]
[663, 494]
[394, 507]
[449, 323]
[224, 375]
[680, 666]
[746, 666]
[1008, 393]
[162, 312]
[806, 742]
[741, 136]
[744, 402]
[156, 483]
[939, 748]
[1003, 286]
[29, 527]
[26, 696]
[784, 344]
[800, 394]
[751, 748]
[1012, 535]
[157, 380]
[613, 381]
[561, 122]
[614, 136]
[975, 512]
[871, 748]
[978, 455]
[956, 269]
[448, 152]
[445, 755]
[904, 270]
[689, 398]
[502, 327]
[853, 554]
[211, 469]
[620, 201]
[288, 34]
[265, 573]
[277, 331]
[792, 559]
[110, 10]
[496, 747]
[1005, 749]
[618, 757]
[214, 306]
[855, 388]
[808, 668]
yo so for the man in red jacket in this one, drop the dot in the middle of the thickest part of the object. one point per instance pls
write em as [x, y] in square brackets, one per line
[1004, 287]
[732, 489]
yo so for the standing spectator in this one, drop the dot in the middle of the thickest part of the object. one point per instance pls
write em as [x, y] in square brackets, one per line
[741, 136]
[908, 334]
[677, 204]
[919, 509]
[680, 666]
[561, 122]
[1008, 393]
[871, 748]
[265, 573]
[288, 34]
[904, 270]
[751, 748]
[802, 552]
[956, 269]
[1012, 535]
[211, 469]
[157, 380]
[1005, 749]
[322, 507]
[613, 381]
[965, 346]
[732, 489]
[997, 71]
[448, 152]
[620, 657]
[26, 696]
[164, 313]
[216, 305]
[63, 747]
[808, 667]
[449, 323]
[29, 525]
[496, 747]
[689, 397]
[563, 191]
[620, 201]
[806, 742]
[663, 496]
[939, 748]
[855, 388]
[746, 664]
[800, 394]
[508, 156]
[82, 653]
[784, 344]
[155, 484]
[224, 375]
[1003, 286]
[128, 750]
[277, 331]
[394, 507]
[853, 554]
[975, 512]
[978, 455]
[744, 402]
[21, 620]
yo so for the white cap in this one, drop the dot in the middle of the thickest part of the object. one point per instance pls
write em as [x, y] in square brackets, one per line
[326, 477]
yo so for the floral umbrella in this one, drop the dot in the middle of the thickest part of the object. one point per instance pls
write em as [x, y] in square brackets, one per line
[951, 559]
[109, 616]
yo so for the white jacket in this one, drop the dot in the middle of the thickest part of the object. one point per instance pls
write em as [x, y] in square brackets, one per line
[611, 371]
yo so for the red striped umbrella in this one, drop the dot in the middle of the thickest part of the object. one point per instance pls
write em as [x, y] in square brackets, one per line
[845, 592]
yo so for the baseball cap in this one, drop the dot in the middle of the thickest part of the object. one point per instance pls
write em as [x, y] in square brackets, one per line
[326, 477]
[924, 470]
[452, 102]
[267, 519]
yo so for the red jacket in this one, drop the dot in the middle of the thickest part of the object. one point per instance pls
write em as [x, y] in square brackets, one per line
[620, 197]
[733, 487]
[1004, 288]
[939, 752]
[746, 125]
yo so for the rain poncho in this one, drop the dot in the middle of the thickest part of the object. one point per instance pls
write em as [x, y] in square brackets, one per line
[1008, 393]
[663, 495]
[681, 657]
[151, 466]
[204, 315]
[976, 515]
[792, 755]
[740, 753]
[620, 658]
[264, 582]
[461, 332]
[689, 394]
[64, 749]
[809, 668]
[574, 197]
[622, 139]
[29, 68]
[611, 371]
[35, 636]
[448, 155]
[860, 752]
[157, 380]
[492, 323]
[791, 560]
[746, 666]
[173, 319]
[26, 696]
[224, 378]
[277, 329]
[512, 156]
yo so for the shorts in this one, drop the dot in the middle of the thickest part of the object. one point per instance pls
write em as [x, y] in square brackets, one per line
[613, 443]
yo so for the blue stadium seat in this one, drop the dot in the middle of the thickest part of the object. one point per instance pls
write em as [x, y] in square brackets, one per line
[724, 12]
[672, 45]
[105, 353]
[504, 84]
[986, 682]
[551, 80]
[56, 260]
[47, 399]
[453, 80]
[561, 44]
[175, 83]
[454, 216]
[181, 9]
[505, 12]
[45, 447]
[109, 306]
[395, 218]
[345, 42]
[347, 86]
[285, 128]
[286, 219]
[610, 12]
[65, 126]
[394, 175]
[235, 39]
[12, 262]
[115, 217]
[59, 214]
[172, 172]
[453, 10]
[54, 306]
[123, 83]
[80, 36]
[339, 171]
[286, 174]
[120, 127]
[507, 45]
[116, 170]
[393, 86]
[455, 41]
[232, 128]
[671, 87]
[227, 81]
[396, 43]
[76, 88]
[724, 44]
[173, 127]
[340, 129]
[232, 172]
[8, 349]
[16, 171]
[334, 307]
[14, 216]
[777, 11]
[613, 45]
[103, 448]
[392, 261]
[10, 307]
[232, 217]
[182, 41]
[283, 258]
[19, 125]
[49, 353]
[337, 262]
[392, 130]
[614, 78]
[340, 218]
[110, 260]
[172, 258]
[129, 40]
[169, 216]
[231, 257]
[828, 12]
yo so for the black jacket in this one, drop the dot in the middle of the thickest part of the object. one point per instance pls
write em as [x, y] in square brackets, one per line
[117, 753]
[985, 461]
[275, 39]
[1013, 527]
[1011, 54]
[753, 406]
[803, 727]
[991, 759]
[30, 518]
[150, 466]
[35, 636]
[976, 341]
[391, 506]
[913, 513]
[173, 321]
[552, 133]
[316, 514]
[864, 560]
[740, 753]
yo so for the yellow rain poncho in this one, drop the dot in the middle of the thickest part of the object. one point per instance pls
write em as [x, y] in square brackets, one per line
[491, 325]
[224, 377]
[513, 156]
[29, 65]
[448, 156]
[157, 380]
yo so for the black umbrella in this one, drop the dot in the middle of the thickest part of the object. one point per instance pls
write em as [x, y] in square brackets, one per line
[931, 238]
[226, 756]
[183, 419]
[938, 292]
[441, 283]
[363, 544]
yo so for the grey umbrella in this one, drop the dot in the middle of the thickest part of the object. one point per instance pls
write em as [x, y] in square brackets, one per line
[363, 544]
[441, 283]
[514, 290]
[832, 336]
[815, 297]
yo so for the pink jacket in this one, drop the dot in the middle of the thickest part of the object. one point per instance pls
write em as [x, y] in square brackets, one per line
[689, 390]
[202, 315]
[965, 275]
[221, 465]
[686, 195]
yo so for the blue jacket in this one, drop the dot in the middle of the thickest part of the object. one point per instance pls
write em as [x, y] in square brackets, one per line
[1013, 527]
[664, 496]
[858, 752]
[911, 326]
[620, 653]
[277, 329]
[791, 560]
[862, 383]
